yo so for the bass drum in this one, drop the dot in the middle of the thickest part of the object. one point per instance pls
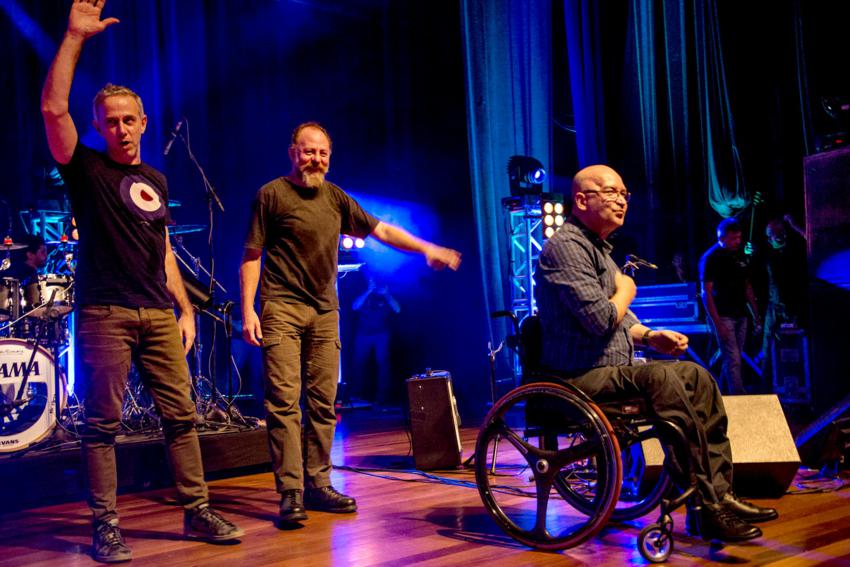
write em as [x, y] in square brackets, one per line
[30, 417]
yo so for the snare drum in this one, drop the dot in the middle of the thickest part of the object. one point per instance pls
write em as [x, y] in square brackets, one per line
[39, 290]
[30, 417]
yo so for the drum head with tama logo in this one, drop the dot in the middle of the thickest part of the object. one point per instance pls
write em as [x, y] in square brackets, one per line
[28, 416]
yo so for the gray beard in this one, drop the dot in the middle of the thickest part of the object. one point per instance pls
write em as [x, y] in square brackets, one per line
[313, 180]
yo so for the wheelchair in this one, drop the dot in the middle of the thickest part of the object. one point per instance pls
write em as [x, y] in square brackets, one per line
[553, 466]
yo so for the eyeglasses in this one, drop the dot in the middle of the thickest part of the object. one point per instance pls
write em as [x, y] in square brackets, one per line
[610, 196]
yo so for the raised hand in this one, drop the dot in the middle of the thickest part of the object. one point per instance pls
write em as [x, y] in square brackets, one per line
[84, 20]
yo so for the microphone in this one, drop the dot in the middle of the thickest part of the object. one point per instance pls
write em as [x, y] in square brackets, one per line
[632, 259]
[173, 136]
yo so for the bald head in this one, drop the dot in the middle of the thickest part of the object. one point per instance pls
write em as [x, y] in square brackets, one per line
[600, 199]
[594, 177]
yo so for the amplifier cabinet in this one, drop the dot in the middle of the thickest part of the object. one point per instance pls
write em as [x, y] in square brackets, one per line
[434, 421]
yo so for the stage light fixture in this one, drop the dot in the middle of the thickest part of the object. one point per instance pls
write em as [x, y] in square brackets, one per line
[359, 243]
[552, 213]
[526, 175]
[347, 243]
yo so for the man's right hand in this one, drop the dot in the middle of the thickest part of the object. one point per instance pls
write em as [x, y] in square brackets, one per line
[84, 21]
[252, 331]
[625, 284]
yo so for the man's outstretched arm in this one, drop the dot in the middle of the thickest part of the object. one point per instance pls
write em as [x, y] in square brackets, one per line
[437, 257]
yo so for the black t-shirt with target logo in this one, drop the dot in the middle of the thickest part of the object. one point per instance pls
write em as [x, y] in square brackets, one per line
[121, 213]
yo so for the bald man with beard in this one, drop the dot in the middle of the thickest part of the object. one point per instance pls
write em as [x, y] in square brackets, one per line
[589, 335]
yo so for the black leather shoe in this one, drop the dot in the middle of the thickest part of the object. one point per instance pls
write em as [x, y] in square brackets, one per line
[714, 521]
[748, 511]
[292, 506]
[328, 499]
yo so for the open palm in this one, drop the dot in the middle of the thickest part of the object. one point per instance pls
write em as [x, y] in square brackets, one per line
[85, 21]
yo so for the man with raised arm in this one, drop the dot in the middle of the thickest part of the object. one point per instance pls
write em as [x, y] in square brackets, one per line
[297, 219]
[127, 282]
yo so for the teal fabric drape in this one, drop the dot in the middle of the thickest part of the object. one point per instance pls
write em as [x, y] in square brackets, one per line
[724, 176]
[507, 51]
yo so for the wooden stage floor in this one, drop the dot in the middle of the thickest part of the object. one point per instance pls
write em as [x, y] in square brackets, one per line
[403, 519]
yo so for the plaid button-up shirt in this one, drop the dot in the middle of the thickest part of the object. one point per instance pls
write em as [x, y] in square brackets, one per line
[575, 278]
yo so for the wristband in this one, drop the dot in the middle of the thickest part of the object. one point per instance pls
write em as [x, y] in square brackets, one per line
[645, 338]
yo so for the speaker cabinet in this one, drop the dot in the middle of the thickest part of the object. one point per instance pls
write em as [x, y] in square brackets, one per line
[434, 421]
[764, 455]
[826, 183]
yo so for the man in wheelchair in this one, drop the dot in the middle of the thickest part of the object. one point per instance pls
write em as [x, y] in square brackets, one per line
[588, 339]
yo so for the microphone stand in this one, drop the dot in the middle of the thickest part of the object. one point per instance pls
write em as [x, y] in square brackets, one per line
[211, 197]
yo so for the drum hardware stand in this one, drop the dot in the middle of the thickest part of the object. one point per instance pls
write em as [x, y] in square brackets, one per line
[202, 301]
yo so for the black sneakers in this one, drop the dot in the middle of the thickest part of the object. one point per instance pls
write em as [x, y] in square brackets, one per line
[328, 499]
[206, 524]
[292, 506]
[108, 544]
[715, 521]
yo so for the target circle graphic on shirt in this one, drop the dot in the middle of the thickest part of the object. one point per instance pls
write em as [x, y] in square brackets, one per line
[142, 198]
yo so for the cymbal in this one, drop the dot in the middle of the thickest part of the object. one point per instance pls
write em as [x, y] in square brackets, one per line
[185, 228]
[9, 244]
[62, 242]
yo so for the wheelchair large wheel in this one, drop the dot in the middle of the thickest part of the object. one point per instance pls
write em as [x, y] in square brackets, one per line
[518, 481]
[638, 495]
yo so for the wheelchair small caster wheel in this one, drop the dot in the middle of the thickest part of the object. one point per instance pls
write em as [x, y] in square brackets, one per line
[655, 543]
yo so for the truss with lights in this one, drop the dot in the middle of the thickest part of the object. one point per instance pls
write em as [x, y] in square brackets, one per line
[531, 217]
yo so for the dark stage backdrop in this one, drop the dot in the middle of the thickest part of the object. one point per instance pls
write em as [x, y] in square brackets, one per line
[386, 78]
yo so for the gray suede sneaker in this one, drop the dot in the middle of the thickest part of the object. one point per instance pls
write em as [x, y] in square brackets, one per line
[108, 544]
[206, 524]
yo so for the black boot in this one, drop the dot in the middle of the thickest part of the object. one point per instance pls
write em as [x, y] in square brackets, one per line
[748, 511]
[714, 521]
[292, 506]
[328, 499]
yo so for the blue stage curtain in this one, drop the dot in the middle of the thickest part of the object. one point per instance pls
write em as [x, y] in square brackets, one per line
[507, 50]
[582, 24]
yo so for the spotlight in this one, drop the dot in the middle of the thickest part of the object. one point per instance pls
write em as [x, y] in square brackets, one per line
[525, 175]
[347, 242]
[359, 243]
[552, 212]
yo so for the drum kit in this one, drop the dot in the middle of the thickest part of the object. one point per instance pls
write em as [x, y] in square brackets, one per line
[33, 335]
[34, 339]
